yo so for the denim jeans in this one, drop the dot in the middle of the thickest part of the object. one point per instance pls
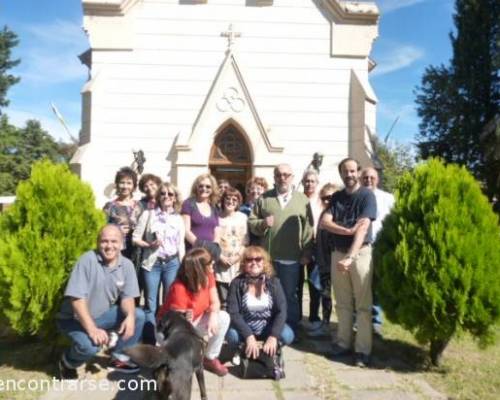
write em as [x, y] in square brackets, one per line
[286, 336]
[289, 275]
[162, 273]
[314, 295]
[83, 349]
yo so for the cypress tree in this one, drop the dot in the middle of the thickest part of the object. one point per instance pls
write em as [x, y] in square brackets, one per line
[437, 257]
[53, 221]
[457, 102]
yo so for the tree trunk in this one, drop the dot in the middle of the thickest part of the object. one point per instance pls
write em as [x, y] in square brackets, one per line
[437, 349]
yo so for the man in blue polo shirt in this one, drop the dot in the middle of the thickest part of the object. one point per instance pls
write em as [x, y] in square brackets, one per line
[99, 298]
[349, 219]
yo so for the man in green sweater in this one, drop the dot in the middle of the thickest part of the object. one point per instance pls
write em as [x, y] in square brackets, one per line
[282, 217]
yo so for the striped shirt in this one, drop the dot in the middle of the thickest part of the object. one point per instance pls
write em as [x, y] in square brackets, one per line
[257, 311]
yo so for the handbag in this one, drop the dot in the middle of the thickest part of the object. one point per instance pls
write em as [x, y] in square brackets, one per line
[264, 366]
[137, 254]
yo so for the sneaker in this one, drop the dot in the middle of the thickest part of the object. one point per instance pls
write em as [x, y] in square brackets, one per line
[236, 360]
[339, 351]
[377, 330]
[66, 372]
[361, 360]
[126, 367]
[314, 325]
[321, 331]
[215, 366]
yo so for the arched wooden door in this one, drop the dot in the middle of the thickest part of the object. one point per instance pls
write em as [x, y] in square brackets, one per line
[230, 157]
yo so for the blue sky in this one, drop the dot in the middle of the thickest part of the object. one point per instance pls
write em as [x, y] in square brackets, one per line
[412, 35]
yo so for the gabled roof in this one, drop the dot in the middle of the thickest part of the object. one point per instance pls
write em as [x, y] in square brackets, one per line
[228, 71]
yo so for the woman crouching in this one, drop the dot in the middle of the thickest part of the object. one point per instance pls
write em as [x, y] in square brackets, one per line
[257, 306]
[194, 293]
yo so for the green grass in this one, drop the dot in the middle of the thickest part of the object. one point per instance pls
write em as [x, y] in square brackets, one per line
[466, 371]
[23, 361]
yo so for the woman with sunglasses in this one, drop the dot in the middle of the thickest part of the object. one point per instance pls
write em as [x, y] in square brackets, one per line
[160, 233]
[322, 254]
[233, 239]
[194, 294]
[200, 214]
[257, 306]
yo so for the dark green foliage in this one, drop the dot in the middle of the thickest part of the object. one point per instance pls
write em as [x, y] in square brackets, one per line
[53, 221]
[8, 40]
[20, 148]
[438, 257]
[456, 102]
[396, 159]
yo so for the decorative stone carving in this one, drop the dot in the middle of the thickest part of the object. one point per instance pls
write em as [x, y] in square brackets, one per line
[231, 100]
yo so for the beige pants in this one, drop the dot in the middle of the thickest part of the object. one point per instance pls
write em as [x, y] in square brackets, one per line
[353, 291]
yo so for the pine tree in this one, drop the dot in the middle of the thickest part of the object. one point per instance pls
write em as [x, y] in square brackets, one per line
[456, 102]
[438, 255]
[53, 221]
[20, 148]
[8, 40]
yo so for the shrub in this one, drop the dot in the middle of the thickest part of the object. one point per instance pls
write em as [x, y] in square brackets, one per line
[53, 221]
[437, 257]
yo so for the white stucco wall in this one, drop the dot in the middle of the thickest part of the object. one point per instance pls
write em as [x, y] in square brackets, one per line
[153, 68]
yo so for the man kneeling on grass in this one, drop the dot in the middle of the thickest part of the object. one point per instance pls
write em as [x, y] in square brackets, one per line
[99, 298]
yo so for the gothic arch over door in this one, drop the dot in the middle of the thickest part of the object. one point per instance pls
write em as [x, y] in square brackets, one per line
[230, 156]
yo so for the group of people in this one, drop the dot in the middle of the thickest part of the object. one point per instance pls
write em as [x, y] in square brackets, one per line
[235, 268]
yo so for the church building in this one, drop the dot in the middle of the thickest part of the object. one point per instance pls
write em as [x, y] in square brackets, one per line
[234, 87]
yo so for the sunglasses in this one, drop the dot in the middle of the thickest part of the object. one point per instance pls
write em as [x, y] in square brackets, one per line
[257, 259]
[204, 187]
[169, 194]
[366, 178]
[326, 198]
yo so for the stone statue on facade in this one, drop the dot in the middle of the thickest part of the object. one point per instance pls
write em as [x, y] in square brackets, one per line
[139, 160]
[316, 162]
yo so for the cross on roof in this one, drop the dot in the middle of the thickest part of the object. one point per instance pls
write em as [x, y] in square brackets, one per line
[230, 35]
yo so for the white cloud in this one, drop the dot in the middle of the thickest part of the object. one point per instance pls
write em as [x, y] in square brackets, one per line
[49, 55]
[396, 59]
[48, 121]
[386, 6]
[61, 32]
[407, 121]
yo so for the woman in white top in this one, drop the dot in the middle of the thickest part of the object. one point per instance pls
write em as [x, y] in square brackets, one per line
[233, 237]
[160, 232]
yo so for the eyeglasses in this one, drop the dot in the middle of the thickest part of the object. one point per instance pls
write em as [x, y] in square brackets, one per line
[366, 178]
[326, 198]
[257, 259]
[201, 186]
[284, 175]
[231, 199]
[169, 194]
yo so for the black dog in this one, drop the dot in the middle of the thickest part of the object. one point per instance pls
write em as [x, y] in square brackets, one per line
[179, 355]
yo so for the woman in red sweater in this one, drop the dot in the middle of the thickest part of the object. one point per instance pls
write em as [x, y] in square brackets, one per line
[195, 294]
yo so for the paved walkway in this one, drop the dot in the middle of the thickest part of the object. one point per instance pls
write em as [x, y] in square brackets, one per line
[310, 376]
